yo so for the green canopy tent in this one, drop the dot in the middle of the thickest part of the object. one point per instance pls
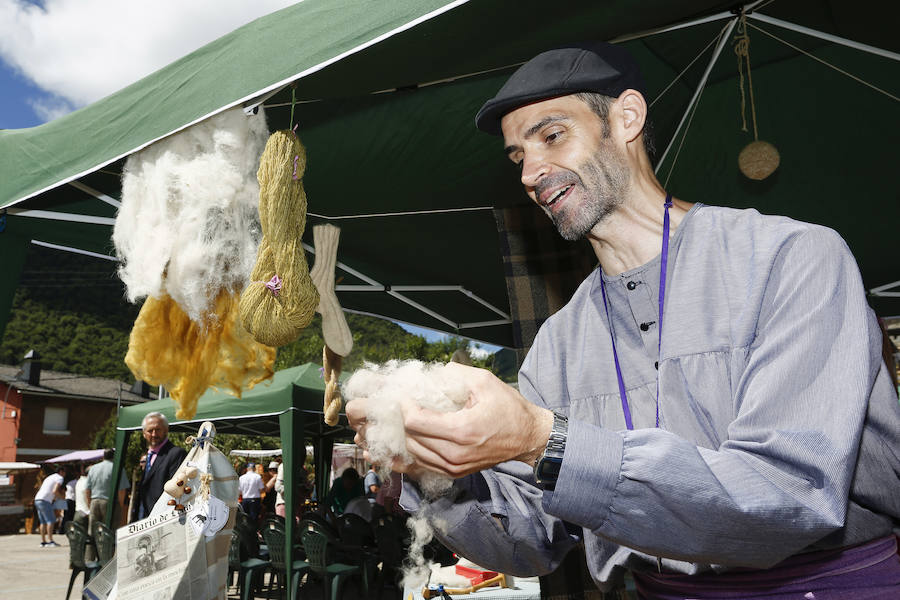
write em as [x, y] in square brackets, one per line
[289, 406]
[385, 96]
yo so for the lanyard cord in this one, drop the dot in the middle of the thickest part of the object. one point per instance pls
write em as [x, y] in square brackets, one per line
[664, 262]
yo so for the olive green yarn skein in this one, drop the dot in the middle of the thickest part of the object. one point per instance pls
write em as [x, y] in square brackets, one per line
[276, 320]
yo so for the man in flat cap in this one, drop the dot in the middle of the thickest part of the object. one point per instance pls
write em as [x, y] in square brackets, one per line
[709, 411]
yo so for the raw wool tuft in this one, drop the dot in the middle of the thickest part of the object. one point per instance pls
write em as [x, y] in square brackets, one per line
[188, 224]
[168, 348]
[387, 387]
[276, 317]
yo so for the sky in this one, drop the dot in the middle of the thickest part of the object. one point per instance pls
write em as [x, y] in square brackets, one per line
[59, 55]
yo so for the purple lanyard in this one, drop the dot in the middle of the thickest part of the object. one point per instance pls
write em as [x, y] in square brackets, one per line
[664, 260]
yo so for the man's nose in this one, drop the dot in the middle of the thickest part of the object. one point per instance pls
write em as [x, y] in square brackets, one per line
[534, 168]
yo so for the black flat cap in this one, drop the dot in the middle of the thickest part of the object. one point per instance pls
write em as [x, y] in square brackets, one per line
[587, 67]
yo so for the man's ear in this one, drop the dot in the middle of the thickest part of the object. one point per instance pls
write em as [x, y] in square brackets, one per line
[634, 113]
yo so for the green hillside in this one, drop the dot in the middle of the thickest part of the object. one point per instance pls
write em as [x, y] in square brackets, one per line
[72, 310]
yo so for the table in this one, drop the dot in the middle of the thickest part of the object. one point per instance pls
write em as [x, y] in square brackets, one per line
[524, 588]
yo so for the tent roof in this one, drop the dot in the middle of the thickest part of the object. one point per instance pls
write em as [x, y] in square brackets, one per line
[82, 455]
[257, 412]
[386, 96]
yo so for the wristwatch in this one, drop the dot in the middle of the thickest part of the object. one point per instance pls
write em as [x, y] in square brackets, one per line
[546, 469]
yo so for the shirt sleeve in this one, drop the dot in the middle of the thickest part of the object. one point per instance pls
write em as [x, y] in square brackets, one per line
[781, 480]
[495, 519]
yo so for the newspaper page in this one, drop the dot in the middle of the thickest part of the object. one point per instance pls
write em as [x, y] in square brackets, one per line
[162, 557]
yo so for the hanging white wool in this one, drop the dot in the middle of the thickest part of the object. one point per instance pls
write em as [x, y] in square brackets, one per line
[188, 225]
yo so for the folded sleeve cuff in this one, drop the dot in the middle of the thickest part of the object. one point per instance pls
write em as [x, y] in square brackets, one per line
[587, 481]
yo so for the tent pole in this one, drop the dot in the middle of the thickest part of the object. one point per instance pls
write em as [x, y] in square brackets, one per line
[293, 448]
[122, 437]
[724, 40]
[96, 194]
[824, 36]
[648, 32]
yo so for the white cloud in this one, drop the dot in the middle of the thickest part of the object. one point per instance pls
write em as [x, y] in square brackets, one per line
[479, 352]
[50, 107]
[83, 50]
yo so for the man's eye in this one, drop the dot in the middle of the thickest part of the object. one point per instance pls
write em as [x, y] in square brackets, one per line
[552, 137]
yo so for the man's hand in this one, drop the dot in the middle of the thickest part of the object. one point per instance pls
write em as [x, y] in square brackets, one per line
[497, 424]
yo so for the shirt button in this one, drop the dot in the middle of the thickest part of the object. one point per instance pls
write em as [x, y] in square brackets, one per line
[645, 326]
[656, 365]
[631, 285]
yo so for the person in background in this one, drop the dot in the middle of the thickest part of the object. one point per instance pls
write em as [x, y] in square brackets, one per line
[344, 489]
[99, 481]
[372, 484]
[72, 475]
[251, 486]
[278, 486]
[269, 479]
[51, 489]
[82, 506]
[163, 459]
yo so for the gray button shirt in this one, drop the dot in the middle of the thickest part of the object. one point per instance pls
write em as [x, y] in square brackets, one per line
[779, 426]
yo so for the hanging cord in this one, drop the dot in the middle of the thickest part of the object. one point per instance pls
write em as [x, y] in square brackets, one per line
[742, 50]
[293, 104]
[687, 125]
[827, 64]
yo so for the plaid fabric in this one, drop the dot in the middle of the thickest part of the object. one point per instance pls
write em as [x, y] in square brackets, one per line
[542, 269]
[572, 581]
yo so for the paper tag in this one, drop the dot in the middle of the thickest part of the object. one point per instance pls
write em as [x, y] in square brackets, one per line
[217, 516]
[199, 517]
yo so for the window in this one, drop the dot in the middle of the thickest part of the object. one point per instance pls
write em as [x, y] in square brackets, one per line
[56, 421]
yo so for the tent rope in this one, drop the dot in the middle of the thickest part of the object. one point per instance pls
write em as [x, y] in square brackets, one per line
[685, 70]
[827, 64]
[742, 50]
[400, 213]
[687, 125]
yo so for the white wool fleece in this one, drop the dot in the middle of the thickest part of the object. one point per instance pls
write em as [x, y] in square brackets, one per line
[387, 386]
[188, 225]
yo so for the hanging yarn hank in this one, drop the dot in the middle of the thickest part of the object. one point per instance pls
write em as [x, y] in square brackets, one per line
[280, 300]
[331, 364]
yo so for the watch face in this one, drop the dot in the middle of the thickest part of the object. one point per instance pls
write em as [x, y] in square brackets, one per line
[548, 469]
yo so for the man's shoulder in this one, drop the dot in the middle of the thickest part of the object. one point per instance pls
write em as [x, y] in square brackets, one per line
[748, 222]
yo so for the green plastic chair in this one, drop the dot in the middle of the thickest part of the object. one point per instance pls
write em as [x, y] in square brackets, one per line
[245, 566]
[105, 539]
[274, 535]
[332, 573]
[78, 540]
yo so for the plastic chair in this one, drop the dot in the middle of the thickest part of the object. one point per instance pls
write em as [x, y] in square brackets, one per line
[78, 541]
[332, 573]
[392, 538]
[355, 531]
[246, 567]
[105, 540]
[274, 535]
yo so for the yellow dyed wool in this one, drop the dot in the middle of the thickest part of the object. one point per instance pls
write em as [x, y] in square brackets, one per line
[276, 317]
[167, 348]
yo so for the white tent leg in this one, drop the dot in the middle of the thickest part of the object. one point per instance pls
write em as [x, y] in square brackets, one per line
[824, 36]
[74, 250]
[725, 37]
[96, 194]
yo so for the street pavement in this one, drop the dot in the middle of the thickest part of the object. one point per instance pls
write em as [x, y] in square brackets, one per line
[30, 572]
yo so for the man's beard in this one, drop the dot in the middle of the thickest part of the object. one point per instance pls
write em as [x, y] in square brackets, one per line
[604, 185]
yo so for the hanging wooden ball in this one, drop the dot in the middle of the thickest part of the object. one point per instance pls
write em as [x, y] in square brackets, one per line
[758, 160]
